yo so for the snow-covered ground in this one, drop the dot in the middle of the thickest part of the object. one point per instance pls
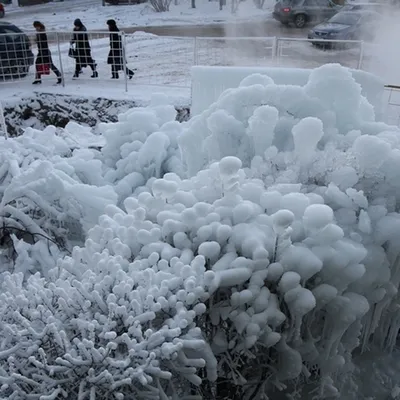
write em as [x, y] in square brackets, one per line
[60, 16]
[85, 88]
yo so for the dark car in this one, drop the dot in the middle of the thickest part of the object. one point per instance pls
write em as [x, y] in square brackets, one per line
[346, 25]
[15, 52]
[301, 12]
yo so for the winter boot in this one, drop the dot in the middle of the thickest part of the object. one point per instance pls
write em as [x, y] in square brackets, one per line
[59, 81]
[115, 75]
[95, 74]
[36, 82]
[131, 73]
[76, 75]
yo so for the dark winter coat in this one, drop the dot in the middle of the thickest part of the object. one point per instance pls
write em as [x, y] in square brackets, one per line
[82, 46]
[115, 55]
[44, 55]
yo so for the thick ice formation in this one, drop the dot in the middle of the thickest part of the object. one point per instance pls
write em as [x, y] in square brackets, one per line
[49, 189]
[266, 266]
[236, 119]
[141, 145]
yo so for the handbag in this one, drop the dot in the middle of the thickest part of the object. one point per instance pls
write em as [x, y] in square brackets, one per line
[43, 69]
[72, 52]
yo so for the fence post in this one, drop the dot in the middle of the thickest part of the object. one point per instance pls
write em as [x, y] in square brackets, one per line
[195, 51]
[274, 49]
[60, 60]
[3, 125]
[360, 60]
[124, 60]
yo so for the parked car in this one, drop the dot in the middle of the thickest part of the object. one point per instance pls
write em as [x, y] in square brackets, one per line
[346, 25]
[301, 12]
[2, 11]
[15, 52]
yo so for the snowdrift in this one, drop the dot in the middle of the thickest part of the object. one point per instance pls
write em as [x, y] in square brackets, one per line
[250, 250]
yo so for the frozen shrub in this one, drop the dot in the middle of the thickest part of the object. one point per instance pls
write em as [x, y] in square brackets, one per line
[160, 5]
[247, 120]
[322, 136]
[194, 274]
[141, 145]
[263, 268]
[49, 192]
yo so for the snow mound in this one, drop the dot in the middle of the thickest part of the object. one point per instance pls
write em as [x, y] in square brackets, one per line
[140, 146]
[248, 120]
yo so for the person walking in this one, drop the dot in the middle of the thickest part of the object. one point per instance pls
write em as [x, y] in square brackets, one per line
[82, 51]
[115, 55]
[44, 62]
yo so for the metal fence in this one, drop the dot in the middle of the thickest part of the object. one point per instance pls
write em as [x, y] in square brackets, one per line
[392, 101]
[166, 61]
[238, 51]
[307, 53]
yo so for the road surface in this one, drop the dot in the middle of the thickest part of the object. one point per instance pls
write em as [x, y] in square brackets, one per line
[268, 28]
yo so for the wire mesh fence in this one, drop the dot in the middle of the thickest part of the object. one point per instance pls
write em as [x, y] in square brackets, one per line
[312, 53]
[154, 60]
[107, 62]
[242, 51]
[392, 101]
[161, 60]
[16, 56]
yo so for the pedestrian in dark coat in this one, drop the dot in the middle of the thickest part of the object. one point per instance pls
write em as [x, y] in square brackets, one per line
[43, 59]
[115, 55]
[83, 52]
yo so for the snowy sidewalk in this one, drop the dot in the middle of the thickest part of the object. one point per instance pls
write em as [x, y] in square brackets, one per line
[141, 94]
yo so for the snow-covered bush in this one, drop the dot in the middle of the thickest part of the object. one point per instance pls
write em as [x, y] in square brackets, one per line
[263, 269]
[247, 120]
[141, 145]
[215, 271]
[128, 311]
[55, 184]
[160, 5]
[48, 190]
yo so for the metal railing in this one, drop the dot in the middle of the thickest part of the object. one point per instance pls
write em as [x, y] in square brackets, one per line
[166, 61]
[392, 101]
[161, 60]
[240, 51]
[154, 60]
[312, 53]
